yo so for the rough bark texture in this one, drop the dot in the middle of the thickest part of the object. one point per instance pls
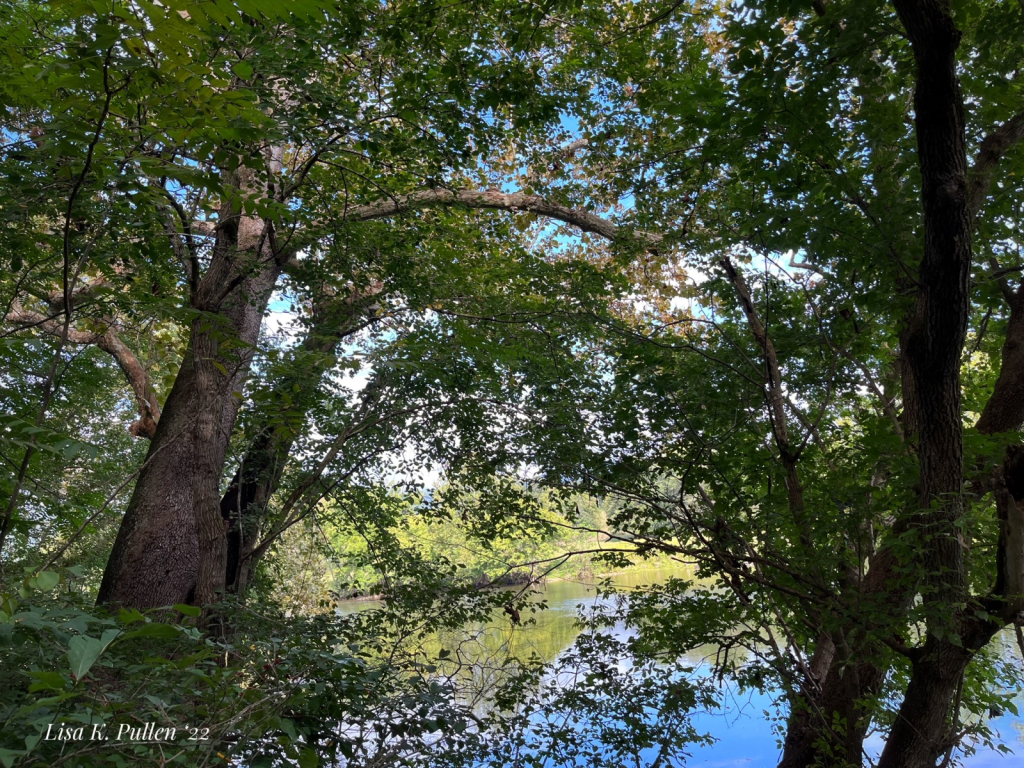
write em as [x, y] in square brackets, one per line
[154, 558]
[208, 455]
[935, 344]
[932, 344]
[172, 537]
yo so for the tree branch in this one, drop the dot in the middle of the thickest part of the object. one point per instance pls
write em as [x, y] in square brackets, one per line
[497, 200]
[773, 377]
[1008, 592]
[109, 342]
[992, 149]
[776, 404]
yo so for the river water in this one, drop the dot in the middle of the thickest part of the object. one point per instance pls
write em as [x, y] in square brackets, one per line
[744, 727]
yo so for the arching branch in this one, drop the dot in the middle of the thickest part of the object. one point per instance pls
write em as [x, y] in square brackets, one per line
[497, 200]
[109, 342]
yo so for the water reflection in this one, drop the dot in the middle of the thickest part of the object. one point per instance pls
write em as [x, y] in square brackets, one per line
[747, 727]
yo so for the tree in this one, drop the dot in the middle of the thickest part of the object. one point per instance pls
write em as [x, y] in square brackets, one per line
[211, 139]
[812, 409]
[791, 351]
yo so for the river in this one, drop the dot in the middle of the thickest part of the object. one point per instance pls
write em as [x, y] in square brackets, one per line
[744, 727]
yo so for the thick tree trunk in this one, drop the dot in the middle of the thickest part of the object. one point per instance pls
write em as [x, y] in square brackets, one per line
[926, 707]
[935, 345]
[810, 733]
[831, 730]
[171, 546]
[209, 449]
[155, 558]
[828, 727]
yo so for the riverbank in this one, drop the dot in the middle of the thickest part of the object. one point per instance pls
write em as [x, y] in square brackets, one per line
[375, 593]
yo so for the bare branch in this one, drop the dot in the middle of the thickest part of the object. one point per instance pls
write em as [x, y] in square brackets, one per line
[776, 405]
[497, 200]
[773, 377]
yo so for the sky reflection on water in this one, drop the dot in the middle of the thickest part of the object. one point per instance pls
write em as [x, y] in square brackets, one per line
[744, 726]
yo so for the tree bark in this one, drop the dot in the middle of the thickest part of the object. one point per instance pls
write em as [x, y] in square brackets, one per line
[935, 344]
[171, 546]
[831, 726]
[153, 561]
[155, 558]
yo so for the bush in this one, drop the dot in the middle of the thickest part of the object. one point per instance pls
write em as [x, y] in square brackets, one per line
[83, 686]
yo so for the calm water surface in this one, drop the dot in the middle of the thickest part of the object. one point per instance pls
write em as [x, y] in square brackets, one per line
[744, 727]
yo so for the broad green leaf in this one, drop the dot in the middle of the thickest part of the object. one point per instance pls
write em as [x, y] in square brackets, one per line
[83, 651]
[47, 681]
[45, 581]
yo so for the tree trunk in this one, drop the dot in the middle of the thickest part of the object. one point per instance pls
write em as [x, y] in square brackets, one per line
[829, 729]
[155, 558]
[245, 503]
[935, 344]
[172, 533]
[1004, 411]
[830, 726]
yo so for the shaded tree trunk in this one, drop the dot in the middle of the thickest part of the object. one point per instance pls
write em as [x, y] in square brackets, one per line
[935, 345]
[244, 505]
[171, 535]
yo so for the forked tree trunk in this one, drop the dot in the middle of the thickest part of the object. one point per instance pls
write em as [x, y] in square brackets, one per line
[155, 558]
[829, 726]
[170, 547]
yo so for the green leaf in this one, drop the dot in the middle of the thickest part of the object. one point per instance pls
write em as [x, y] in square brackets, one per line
[243, 69]
[47, 681]
[308, 758]
[45, 581]
[32, 741]
[188, 610]
[83, 651]
[129, 616]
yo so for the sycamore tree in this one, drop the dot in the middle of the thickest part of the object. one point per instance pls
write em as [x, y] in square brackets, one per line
[169, 167]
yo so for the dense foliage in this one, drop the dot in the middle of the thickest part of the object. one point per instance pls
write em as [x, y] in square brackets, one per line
[306, 300]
